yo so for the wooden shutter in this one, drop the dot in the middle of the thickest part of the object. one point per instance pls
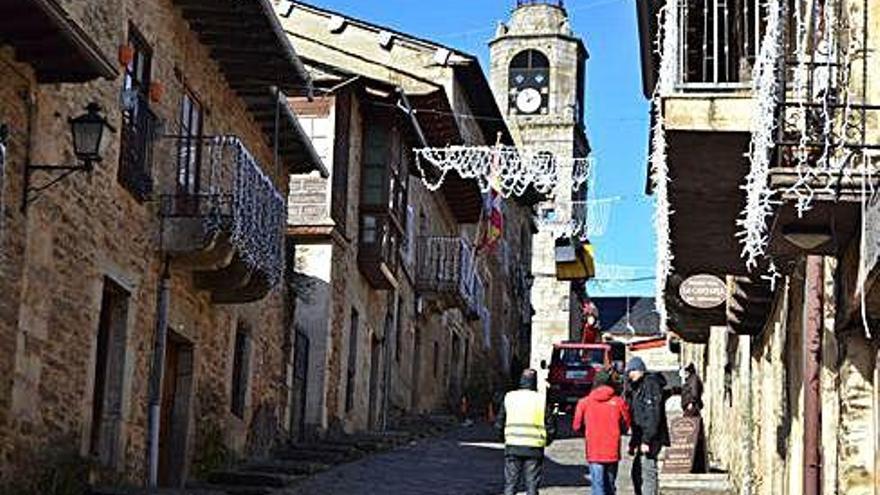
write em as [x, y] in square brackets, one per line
[341, 151]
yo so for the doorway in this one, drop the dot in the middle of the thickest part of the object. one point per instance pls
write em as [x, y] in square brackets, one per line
[416, 370]
[375, 358]
[177, 383]
[104, 442]
[300, 386]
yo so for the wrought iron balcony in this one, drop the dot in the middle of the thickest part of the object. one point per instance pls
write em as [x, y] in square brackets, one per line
[445, 271]
[225, 220]
[718, 42]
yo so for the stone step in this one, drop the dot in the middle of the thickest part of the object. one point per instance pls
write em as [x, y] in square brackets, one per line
[250, 479]
[710, 484]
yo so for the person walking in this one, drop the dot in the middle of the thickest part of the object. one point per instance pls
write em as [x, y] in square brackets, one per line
[527, 428]
[650, 433]
[604, 417]
[691, 392]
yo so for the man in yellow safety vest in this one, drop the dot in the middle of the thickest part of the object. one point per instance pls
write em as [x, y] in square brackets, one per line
[527, 428]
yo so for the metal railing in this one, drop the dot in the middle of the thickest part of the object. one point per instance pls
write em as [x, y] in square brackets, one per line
[219, 181]
[445, 268]
[718, 42]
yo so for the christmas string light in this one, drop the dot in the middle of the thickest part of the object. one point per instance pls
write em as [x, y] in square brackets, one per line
[246, 204]
[753, 219]
[514, 172]
[667, 50]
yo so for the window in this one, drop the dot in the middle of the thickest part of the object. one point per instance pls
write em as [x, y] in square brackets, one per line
[109, 371]
[436, 357]
[138, 121]
[352, 360]
[189, 157]
[376, 182]
[240, 365]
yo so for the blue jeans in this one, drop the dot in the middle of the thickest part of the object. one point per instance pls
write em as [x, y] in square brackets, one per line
[604, 478]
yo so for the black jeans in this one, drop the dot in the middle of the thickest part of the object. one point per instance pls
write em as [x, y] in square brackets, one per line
[530, 469]
[644, 474]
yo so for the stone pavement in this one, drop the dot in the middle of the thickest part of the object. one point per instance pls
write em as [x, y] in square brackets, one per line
[468, 461]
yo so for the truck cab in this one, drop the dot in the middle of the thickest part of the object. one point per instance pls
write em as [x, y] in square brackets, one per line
[571, 370]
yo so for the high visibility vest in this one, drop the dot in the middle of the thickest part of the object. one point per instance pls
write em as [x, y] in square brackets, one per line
[524, 425]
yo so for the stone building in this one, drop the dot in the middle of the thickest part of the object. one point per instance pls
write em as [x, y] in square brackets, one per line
[790, 360]
[156, 270]
[538, 75]
[399, 312]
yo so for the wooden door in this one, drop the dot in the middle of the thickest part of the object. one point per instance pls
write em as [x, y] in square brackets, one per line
[375, 353]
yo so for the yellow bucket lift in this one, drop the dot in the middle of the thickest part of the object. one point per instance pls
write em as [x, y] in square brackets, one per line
[575, 259]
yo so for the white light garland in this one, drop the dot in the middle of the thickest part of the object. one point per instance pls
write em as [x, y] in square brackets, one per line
[591, 223]
[667, 49]
[753, 219]
[248, 206]
[511, 170]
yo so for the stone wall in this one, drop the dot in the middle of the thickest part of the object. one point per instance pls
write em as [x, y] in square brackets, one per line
[88, 227]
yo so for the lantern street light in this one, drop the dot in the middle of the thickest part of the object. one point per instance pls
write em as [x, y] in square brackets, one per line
[87, 132]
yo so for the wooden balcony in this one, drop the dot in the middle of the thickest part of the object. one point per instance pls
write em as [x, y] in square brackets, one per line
[227, 227]
[378, 249]
[445, 272]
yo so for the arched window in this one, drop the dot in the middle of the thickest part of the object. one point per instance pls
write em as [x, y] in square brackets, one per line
[530, 59]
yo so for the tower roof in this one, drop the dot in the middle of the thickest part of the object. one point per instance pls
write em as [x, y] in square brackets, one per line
[555, 3]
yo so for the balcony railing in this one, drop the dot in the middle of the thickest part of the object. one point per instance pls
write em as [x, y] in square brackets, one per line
[225, 219]
[445, 270]
[718, 42]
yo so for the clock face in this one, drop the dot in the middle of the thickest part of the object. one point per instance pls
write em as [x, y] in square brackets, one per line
[529, 100]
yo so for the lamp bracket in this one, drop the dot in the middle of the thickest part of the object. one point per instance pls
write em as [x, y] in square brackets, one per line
[31, 192]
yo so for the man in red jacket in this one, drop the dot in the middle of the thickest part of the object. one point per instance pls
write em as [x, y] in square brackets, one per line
[604, 417]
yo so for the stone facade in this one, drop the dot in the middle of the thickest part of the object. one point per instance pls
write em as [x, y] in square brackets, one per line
[87, 240]
[428, 352]
[545, 27]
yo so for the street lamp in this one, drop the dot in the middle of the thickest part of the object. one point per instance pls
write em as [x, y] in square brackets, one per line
[87, 132]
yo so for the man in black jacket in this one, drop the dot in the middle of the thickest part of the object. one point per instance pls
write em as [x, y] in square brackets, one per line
[527, 427]
[649, 429]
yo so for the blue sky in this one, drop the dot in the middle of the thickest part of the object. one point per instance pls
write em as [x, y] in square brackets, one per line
[617, 113]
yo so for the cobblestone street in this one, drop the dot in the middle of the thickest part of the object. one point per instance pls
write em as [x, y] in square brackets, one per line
[468, 461]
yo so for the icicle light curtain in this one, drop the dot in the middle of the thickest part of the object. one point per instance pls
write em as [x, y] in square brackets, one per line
[254, 212]
[667, 39]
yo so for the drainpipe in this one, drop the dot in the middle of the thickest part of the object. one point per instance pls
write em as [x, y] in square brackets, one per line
[750, 420]
[158, 369]
[812, 352]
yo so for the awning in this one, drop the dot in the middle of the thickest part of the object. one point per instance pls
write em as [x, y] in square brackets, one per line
[45, 37]
[254, 53]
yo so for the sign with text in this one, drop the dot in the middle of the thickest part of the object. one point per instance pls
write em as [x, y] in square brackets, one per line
[681, 454]
[703, 291]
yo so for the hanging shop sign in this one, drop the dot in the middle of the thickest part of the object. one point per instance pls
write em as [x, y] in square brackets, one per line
[703, 291]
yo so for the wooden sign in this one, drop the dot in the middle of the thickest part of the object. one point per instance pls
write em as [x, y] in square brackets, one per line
[681, 455]
[703, 291]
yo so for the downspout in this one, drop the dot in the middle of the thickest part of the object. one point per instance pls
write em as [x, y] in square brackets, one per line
[750, 420]
[158, 369]
[812, 352]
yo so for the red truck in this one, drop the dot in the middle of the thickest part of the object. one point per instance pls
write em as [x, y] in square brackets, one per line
[571, 370]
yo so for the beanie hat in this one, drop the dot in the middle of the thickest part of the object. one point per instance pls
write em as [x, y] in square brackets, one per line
[636, 364]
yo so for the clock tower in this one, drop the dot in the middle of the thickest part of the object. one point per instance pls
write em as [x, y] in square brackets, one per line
[538, 74]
